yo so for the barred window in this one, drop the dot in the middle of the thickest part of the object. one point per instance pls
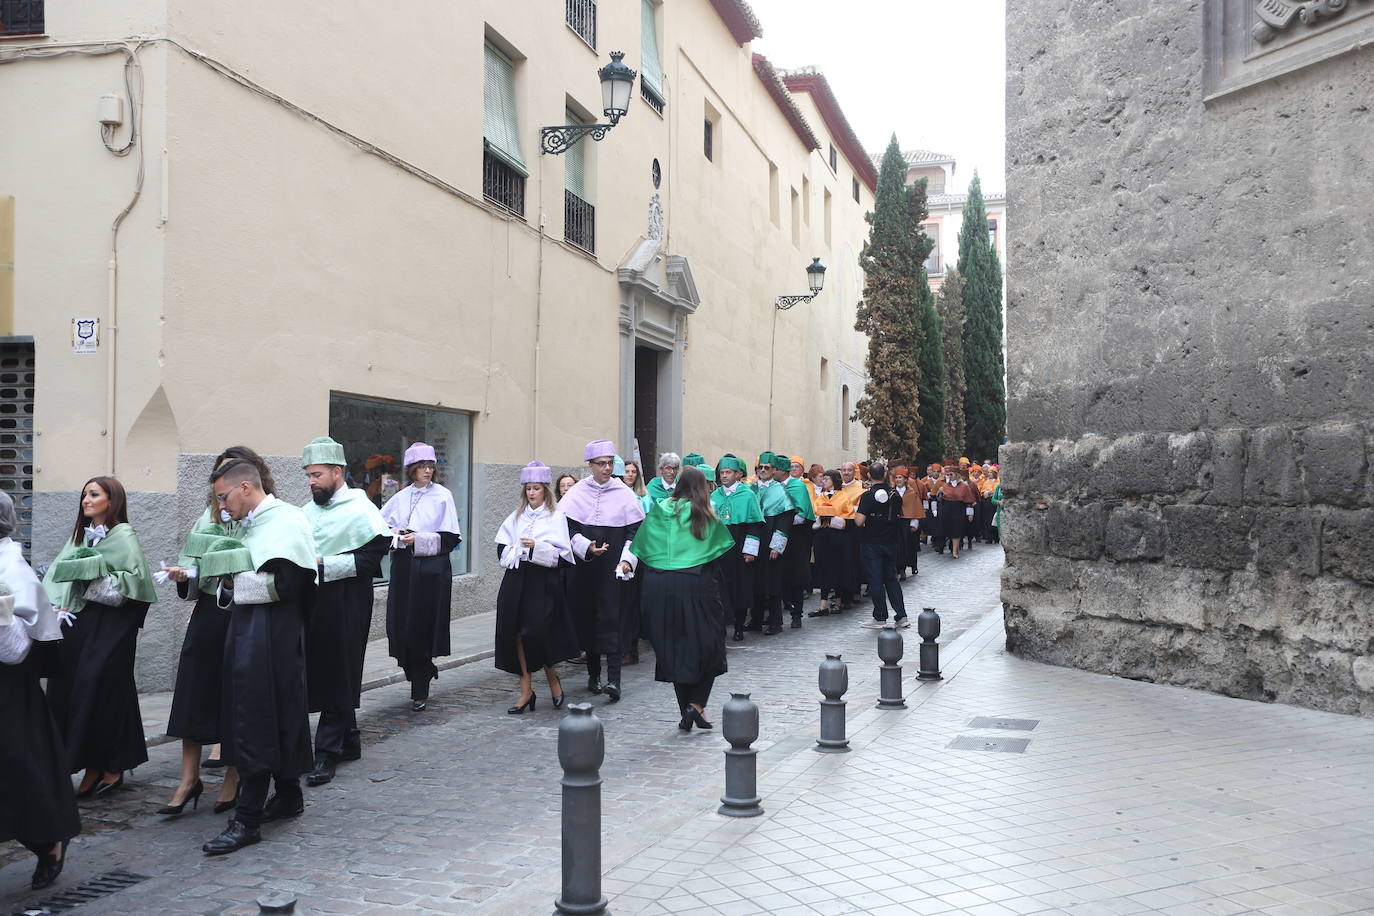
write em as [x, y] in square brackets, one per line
[21, 17]
[650, 64]
[581, 18]
[503, 167]
[579, 216]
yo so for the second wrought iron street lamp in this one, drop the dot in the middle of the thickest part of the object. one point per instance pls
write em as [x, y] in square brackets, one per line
[815, 278]
[617, 83]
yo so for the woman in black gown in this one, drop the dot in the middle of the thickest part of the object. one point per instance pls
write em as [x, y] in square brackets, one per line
[101, 588]
[37, 806]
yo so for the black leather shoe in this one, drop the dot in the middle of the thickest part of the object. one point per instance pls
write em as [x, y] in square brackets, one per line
[48, 869]
[594, 684]
[685, 723]
[613, 691]
[236, 836]
[109, 788]
[221, 807]
[772, 630]
[698, 719]
[324, 770]
[278, 810]
[796, 623]
[738, 635]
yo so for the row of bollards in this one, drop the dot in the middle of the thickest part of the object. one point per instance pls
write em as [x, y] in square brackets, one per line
[582, 750]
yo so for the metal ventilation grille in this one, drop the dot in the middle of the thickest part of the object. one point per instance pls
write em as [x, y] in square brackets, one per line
[103, 886]
[16, 434]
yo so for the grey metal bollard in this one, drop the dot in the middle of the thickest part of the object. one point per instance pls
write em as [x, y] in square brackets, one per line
[277, 902]
[928, 626]
[581, 750]
[740, 726]
[834, 681]
[890, 673]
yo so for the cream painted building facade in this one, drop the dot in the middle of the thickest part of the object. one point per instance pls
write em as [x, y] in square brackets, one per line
[946, 212]
[322, 236]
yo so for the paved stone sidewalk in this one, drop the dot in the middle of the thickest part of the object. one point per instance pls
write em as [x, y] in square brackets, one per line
[1128, 798]
[457, 809]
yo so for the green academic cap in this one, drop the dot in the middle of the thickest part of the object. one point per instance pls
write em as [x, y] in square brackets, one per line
[709, 471]
[323, 450]
[767, 459]
[227, 556]
[732, 463]
[694, 460]
[781, 462]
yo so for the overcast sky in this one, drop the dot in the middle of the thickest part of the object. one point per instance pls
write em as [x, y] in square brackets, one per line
[930, 70]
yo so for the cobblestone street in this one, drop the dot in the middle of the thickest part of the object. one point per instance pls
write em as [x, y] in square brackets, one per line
[456, 809]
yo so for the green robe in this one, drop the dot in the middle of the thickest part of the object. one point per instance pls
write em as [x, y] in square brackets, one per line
[346, 523]
[117, 555]
[774, 499]
[739, 508]
[657, 489]
[665, 541]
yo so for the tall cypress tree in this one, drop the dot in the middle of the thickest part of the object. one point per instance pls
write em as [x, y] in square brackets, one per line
[889, 408]
[930, 349]
[985, 405]
[950, 304]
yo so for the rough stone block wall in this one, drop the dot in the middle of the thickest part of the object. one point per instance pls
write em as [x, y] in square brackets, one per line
[1191, 360]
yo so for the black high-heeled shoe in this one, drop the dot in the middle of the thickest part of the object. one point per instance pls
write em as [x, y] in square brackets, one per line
[89, 790]
[698, 719]
[557, 700]
[223, 806]
[103, 789]
[520, 710]
[48, 869]
[193, 797]
[685, 723]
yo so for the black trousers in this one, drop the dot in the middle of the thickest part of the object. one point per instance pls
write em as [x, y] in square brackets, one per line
[612, 666]
[337, 734]
[881, 564]
[253, 796]
[689, 694]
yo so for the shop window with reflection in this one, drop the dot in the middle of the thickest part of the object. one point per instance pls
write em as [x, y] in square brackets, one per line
[375, 434]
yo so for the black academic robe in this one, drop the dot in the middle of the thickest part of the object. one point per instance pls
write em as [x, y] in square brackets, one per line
[37, 804]
[265, 726]
[768, 578]
[739, 575]
[598, 598]
[685, 618]
[200, 671]
[418, 602]
[337, 630]
[92, 694]
[796, 567]
[532, 607]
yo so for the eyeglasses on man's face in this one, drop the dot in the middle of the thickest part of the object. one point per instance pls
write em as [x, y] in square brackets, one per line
[603, 463]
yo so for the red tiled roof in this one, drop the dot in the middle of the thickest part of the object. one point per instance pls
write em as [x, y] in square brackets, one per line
[813, 81]
[739, 19]
[773, 83]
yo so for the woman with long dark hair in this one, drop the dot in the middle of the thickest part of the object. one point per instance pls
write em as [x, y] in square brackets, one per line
[533, 626]
[424, 521]
[195, 716]
[37, 806]
[101, 589]
[678, 547]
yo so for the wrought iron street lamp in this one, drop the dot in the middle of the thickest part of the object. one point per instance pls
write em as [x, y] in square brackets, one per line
[617, 83]
[815, 278]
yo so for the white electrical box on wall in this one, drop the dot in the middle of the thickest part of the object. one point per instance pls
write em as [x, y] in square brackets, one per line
[111, 109]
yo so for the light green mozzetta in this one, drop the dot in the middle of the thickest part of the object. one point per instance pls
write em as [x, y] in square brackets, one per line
[664, 539]
[346, 523]
[774, 499]
[117, 555]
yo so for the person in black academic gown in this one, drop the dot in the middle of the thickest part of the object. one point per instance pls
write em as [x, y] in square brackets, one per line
[265, 727]
[37, 805]
[351, 540]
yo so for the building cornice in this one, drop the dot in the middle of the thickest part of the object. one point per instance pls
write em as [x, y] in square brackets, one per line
[788, 105]
[739, 18]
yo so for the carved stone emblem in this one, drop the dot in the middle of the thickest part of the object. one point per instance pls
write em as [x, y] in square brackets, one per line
[655, 218]
[1275, 16]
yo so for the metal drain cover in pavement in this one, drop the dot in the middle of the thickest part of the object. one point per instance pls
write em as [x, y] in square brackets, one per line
[1013, 725]
[93, 889]
[975, 743]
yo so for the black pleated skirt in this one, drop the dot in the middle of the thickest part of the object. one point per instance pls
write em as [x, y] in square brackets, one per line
[200, 675]
[417, 608]
[685, 616]
[832, 557]
[92, 693]
[532, 607]
[37, 804]
[953, 519]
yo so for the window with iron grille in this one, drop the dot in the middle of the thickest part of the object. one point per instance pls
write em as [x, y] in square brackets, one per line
[503, 167]
[581, 18]
[650, 65]
[16, 435]
[579, 216]
[501, 184]
[21, 17]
